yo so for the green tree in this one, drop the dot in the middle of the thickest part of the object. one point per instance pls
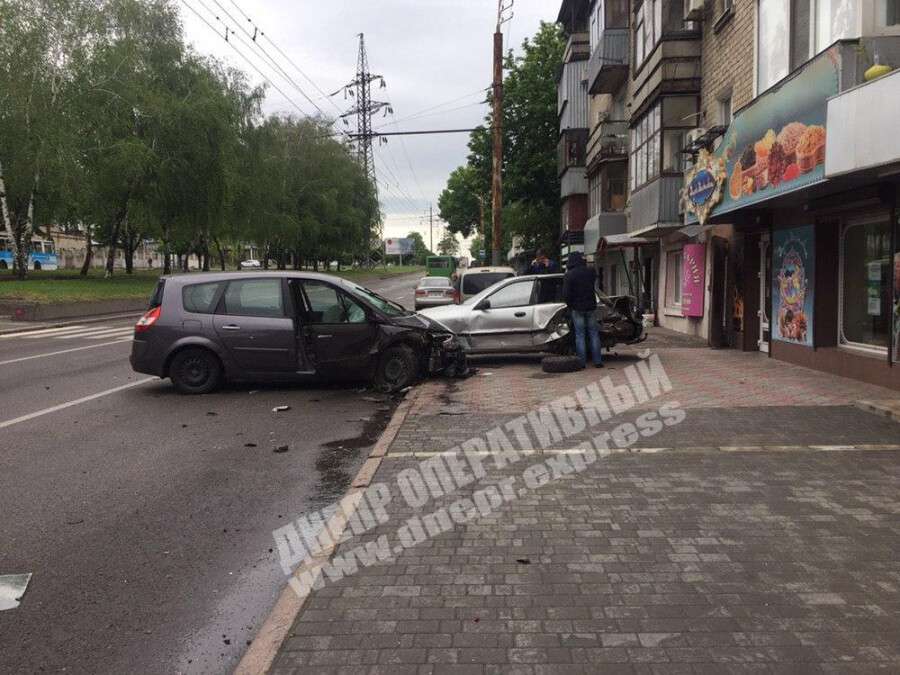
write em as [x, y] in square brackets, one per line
[420, 250]
[531, 183]
[448, 245]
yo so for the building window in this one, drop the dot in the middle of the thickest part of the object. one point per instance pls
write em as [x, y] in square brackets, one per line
[659, 137]
[865, 292]
[607, 14]
[726, 112]
[790, 32]
[647, 29]
[888, 13]
[645, 148]
[615, 187]
[673, 278]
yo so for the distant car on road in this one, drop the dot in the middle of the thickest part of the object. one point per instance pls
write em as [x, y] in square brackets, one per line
[285, 326]
[433, 292]
[473, 280]
[251, 264]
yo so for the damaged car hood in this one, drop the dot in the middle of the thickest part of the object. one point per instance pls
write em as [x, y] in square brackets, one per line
[421, 322]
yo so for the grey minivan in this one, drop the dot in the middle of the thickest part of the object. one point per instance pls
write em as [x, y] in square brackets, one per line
[285, 326]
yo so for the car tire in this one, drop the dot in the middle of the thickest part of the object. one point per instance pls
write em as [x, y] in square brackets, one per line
[397, 369]
[561, 364]
[195, 371]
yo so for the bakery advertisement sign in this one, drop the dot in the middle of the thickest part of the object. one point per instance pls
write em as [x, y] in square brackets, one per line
[793, 272]
[776, 144]
[693, 279]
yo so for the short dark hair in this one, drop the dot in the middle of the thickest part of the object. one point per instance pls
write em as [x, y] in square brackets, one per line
[540, 253]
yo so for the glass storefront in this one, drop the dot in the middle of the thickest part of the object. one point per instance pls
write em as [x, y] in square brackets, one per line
[866, 298]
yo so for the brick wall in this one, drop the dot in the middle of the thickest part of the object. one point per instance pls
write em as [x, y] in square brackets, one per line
[728, 57]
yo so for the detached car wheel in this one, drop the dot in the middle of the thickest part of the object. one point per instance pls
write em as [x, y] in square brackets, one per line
[397, 369]
[195, 371]
[561, 364]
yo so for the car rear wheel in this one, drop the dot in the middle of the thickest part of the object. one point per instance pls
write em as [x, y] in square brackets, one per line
[195, 371]
[397, 369]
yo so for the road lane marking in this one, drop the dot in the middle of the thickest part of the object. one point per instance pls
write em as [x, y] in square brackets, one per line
[91, 331]
[62, 351]
[36, 333]
[77, 401]
[96, 334]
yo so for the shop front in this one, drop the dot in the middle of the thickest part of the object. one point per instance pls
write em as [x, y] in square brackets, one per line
[814, 279]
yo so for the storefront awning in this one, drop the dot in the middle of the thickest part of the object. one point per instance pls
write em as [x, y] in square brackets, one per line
[625, 241]
[773, 147]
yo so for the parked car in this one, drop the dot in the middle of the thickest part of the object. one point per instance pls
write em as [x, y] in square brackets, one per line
[473, 280]
[527, 314]
[251, 264]
[433, 292]
[285, 326]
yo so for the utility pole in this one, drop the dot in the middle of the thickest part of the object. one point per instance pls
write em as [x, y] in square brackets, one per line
[497, 167]
[361, 89]
[431, 226]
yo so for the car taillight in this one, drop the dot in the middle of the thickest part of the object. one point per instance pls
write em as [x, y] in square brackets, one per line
[450, 292]
[420, 292]
[150, 317]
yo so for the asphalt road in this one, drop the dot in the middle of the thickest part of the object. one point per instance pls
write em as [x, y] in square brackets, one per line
[146, 517]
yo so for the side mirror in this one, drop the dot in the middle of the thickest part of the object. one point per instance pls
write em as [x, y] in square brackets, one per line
[484, 304]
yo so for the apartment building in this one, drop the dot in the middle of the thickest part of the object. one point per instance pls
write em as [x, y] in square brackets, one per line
[743, 171]
[795, 178]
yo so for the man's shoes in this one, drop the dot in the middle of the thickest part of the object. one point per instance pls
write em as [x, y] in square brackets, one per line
[598, 365]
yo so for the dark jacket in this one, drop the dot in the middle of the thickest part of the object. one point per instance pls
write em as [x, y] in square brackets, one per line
[578, 286]
[539, 268]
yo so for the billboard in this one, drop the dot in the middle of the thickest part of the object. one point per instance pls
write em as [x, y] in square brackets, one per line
[774, 146]
[398, 246]
[793, 275]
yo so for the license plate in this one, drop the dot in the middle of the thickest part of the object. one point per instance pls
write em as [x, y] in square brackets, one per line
[435, 294]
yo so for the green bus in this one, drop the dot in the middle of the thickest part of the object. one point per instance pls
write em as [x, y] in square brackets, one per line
[440, 266]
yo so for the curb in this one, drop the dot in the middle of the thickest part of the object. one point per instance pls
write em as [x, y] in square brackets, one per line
[260, 656]
[889, 409]
[25, 328]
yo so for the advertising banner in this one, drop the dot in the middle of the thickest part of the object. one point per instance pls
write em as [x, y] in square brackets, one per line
[693, 279]
[773, 146]
[398, 246]
[793, 275]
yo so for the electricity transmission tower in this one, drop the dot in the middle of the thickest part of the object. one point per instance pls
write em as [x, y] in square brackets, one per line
[365, 108]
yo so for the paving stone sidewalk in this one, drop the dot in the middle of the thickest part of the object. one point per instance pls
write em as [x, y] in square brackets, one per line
[687, 560]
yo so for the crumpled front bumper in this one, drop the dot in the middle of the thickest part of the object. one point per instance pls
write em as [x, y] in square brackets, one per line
[448, 356]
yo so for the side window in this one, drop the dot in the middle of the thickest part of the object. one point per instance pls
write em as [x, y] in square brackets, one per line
[200, 298]
[328, 305]
[254, 297]
[515, 295]
[549, 291]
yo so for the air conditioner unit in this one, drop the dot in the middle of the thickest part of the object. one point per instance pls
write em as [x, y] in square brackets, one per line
[693, 136]
[693, 10]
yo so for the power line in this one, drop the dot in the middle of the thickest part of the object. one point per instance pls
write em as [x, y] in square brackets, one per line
[266, 57]
[285, 56]
[421, 113]
[252, 65]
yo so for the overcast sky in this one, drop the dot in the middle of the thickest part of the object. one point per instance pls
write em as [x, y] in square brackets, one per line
[435, 56]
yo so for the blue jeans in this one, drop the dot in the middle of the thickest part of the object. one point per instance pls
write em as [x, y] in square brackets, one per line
[585, 324]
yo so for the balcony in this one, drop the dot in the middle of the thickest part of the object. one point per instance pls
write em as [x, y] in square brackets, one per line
[608, 65]
[571, 150]
[578, 48]
[608, 142]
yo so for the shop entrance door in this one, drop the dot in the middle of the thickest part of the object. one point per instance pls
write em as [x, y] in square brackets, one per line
[765, 293]
[719, 308]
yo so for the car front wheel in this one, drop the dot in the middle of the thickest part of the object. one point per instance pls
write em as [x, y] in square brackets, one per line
[195, 371]
[397, 369]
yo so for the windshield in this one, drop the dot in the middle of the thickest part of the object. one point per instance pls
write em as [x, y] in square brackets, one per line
[383, 305]
[435, 282]
[477, 282]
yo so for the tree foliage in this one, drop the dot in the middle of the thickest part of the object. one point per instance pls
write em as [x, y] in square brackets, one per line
[530, 134]
[110, 124]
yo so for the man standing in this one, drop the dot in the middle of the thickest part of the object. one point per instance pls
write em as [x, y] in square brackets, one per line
[542, 264]
[579, 295]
